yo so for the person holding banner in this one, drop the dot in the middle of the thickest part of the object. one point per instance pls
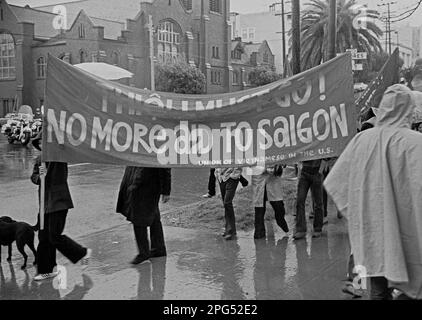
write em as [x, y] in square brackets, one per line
[138, 201]
[267, 186]
[376, 183]
[229, 179]
[58, 201]
[310, 178]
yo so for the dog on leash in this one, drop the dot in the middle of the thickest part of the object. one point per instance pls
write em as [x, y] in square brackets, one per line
[22, 233]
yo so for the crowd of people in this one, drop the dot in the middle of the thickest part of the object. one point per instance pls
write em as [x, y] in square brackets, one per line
[376, 184]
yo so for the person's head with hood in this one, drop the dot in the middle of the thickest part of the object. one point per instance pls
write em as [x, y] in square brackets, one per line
[368, 124]
[397, 108]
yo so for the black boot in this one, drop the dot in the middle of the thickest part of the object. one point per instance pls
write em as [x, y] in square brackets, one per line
[259, 223]
[280, 212]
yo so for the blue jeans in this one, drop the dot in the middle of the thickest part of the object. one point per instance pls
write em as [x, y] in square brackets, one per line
[308, 181]
[228, 191]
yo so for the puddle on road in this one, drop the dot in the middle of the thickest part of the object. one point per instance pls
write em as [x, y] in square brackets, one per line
[16, 161]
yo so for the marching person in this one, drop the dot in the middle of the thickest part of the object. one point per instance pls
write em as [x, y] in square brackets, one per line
[228, 179]
[310, 178]
[211, 184]
[138, 201]
[267, 186]
[57, 204]
[376, 183]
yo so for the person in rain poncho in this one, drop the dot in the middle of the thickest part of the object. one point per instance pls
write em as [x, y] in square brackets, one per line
[377, 184]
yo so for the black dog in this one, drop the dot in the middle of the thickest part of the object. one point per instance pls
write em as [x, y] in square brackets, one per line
[20, 232]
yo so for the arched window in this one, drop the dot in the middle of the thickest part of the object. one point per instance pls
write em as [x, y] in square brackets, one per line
[115, 59]
[7, 56]
[82, 56]
[41, 67]
[168, 41]
[187, 4]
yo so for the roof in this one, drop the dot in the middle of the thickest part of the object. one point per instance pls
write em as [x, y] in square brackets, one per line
[112, 29]
[117, 11]
[114, 14]
[252, 47]
[42, 20]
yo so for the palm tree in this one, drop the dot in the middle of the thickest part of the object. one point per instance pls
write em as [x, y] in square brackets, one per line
[314, 32]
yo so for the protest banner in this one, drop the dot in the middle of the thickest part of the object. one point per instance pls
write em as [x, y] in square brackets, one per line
[89, 119]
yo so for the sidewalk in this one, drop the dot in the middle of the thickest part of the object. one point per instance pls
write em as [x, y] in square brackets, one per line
[199, 266]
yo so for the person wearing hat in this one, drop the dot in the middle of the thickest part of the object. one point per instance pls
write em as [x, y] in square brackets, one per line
[58, 201]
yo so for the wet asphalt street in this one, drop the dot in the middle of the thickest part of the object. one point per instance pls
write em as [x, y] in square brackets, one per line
[94, 190]
[199, 265]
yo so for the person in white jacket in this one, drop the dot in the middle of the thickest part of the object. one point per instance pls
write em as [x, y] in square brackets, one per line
[267, 185]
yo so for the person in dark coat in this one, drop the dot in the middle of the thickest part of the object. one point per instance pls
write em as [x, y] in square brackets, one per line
[57, 204]
[138, 201]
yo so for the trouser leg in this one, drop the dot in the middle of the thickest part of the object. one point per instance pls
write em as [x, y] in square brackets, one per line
[302, 192]
[141, 236]
[65, 245]
[316, 189]
[46, 252]
[211, 183]
[157, 236]
[230, 192]
[280, 213]
[260, 222]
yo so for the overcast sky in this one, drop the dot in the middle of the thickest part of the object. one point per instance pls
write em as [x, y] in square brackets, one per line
[249, 6]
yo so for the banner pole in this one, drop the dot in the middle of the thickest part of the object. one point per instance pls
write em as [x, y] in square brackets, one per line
[42, 199]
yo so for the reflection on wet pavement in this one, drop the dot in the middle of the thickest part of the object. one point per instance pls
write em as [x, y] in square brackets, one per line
[16, 161]
[199, 266]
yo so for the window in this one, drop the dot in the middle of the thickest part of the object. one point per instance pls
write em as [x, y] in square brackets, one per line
[187, 4]
[81, 30]
[7, 56]
[216, 52]
[82, 56]
[266, 57]
[251, 34]
[244, 34]
[248, 34]
[215, 77]
[1, 15]
[236, 77]
[7, 106]
[237, 54]
[41, 67]
[168, 42]
[215, 6]
[115, 60]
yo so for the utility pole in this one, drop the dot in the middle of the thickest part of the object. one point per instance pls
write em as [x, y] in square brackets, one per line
[151, 51]
[332, 30]
[388, 26]
[296, 36]
[283, 29]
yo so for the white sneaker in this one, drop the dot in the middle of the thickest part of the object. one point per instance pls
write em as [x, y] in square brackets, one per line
[45, 276]
[85, 260]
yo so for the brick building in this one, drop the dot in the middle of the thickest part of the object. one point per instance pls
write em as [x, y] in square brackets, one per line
[196, 31]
